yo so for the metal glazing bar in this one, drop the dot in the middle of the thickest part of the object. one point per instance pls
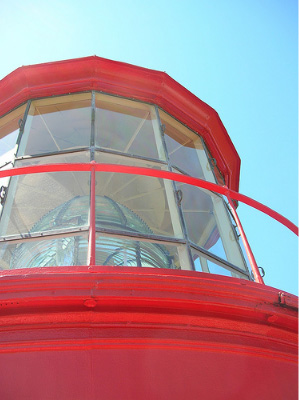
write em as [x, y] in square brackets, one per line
[220, 261]
[253, 264]
[23, 122]
[140, 236]
[236, 235]
[52, 153]
[175, 191]
[36, 236]
[134, 156]
[93, 117]
[209, 157]
[92, 127]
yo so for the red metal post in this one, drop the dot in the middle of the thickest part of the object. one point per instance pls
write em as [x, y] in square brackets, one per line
[92, 219]
[253, 264]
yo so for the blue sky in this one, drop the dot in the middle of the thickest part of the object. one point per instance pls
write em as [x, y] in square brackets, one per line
[239, 56]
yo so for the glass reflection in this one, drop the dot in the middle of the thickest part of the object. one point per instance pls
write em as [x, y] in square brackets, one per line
[117, 251]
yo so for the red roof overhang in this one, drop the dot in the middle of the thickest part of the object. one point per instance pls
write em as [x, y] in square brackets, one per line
[95, 73]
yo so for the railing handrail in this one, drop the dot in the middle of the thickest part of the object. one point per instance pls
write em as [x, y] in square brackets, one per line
[156, 173]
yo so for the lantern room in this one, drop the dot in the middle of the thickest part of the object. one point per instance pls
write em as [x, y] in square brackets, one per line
[122, 270]
[139, 221]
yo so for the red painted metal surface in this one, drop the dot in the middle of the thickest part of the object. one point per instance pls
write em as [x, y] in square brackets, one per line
[92, 218]
[132, 333]
[95, 73]
[35, 169]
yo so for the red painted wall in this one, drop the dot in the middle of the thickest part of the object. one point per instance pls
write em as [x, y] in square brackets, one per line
[138, 333]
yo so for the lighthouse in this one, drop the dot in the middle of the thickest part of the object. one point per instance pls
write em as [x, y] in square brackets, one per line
[122, 266]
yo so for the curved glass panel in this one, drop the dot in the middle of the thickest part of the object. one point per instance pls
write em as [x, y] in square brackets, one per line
[9, 131]
[117, 251]
[48, 252]
[151, 199]
[128, 127]
[112, 215]
[37, 195]
[185, 148]
[56, 124]
[208, 224]
[147, 197]
[204, 264]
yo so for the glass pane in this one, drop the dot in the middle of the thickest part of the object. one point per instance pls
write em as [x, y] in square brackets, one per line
[203, 264]
[185, 149]
[198, 210]
[8, 147]
[56, 124]
[128, 127]
[9, 130]
[208, 224]
[4, 183]
[46, 202]
[116, 251]
[141, 204]
[66, 251]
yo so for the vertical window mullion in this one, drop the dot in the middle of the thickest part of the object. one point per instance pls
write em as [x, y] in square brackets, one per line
[22, 125]
[224, 225]
[22, 138]
[183, 259]
[254, 267]
[92, 132]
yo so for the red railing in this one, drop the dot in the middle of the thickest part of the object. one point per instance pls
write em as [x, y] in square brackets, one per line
[125, 169]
